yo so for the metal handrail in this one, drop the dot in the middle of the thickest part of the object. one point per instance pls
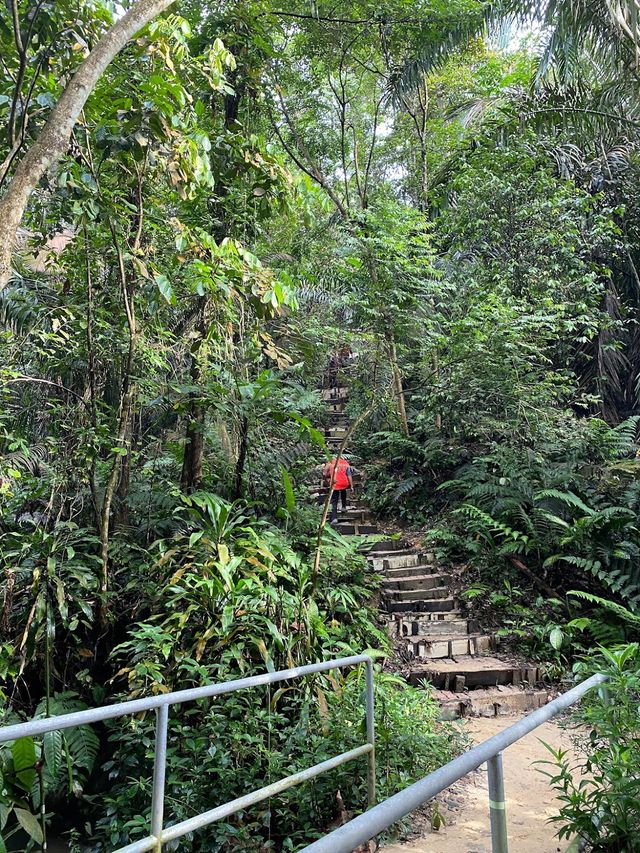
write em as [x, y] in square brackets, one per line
[374, 821]
[161, 704]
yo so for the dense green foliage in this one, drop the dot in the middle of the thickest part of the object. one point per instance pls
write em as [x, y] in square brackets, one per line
[599, 788]
[247, 187]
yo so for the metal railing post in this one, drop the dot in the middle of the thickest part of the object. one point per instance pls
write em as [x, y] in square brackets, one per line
[497, 811]
[159, 773]
[371, 736]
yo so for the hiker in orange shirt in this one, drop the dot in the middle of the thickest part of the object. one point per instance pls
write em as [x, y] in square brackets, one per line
[339, 473]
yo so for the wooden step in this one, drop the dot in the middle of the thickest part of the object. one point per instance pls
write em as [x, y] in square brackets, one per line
[331, 394]
[489, 701]
[411, 571]
[357, 529]
[336, 432]
[416, 594]
[431, 624]
[420, 559]
[417, 583]
[384, 546]
[449, 645]
[467, 672]
[400, 559]
[354, 514]
[440, 605]
[409, 581]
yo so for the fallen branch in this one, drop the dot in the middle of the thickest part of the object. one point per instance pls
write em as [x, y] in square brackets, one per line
[542, 586]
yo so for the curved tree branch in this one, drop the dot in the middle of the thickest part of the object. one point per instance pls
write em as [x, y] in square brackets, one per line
[54, 138]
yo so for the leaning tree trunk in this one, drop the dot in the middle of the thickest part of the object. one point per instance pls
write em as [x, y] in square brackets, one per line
[191, 475]
[397, 383]
[53, 141]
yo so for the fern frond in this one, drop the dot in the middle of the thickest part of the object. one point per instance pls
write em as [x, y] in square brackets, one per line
[405, 487]
[627, 616]
[568, 498]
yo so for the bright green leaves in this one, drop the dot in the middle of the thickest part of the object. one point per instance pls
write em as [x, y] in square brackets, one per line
[23, 753]
[219, 61]
[165, 288]
[53, 749]
[29, 822]
[290, 498]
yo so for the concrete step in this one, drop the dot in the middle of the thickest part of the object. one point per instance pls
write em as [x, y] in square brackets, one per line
[436, 605]
[416, 594]
[449, 645]
[432, 624]
[336, 432]
[467, 672]
[416, 582]
[489, 701]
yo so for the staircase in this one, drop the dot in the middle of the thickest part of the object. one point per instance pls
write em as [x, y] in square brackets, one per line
[433, 639]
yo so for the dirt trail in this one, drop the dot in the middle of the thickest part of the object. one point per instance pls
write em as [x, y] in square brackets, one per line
[529, 799]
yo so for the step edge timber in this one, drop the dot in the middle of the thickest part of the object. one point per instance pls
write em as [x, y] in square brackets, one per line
[490, 702]
[436, 605]
[456, 673]
[415, 578]
[435, 570]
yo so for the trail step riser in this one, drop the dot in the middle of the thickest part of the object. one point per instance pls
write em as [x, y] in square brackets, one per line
[461, 676]
[403, 561]
[385, 546]
[494, 702]
[410, 571]
[417, 595]
[433, 606]
[404, 629]
[416, 583]
[446, 648]
[430, 624]
[357, 529]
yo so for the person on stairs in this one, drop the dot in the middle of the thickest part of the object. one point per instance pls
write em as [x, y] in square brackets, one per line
[338, 472]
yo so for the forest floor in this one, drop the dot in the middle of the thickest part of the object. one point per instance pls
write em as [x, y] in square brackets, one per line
[529, 799]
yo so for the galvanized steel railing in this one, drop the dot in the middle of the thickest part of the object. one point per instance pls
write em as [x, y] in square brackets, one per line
[374, 821]
[161, 704]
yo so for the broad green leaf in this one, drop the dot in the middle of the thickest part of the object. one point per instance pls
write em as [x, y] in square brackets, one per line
[165, 288]
[23, 753]
[30, 824]
[53, 755]
[289, 495]
[556, 638]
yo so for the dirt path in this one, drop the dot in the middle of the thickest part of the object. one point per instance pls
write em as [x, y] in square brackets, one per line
[529, 799]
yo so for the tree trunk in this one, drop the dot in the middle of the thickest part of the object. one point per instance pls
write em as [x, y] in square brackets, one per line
[242, 457]
[435, 364]
[126, 407]
[191, 475]
[397, 383]
[53, 141]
